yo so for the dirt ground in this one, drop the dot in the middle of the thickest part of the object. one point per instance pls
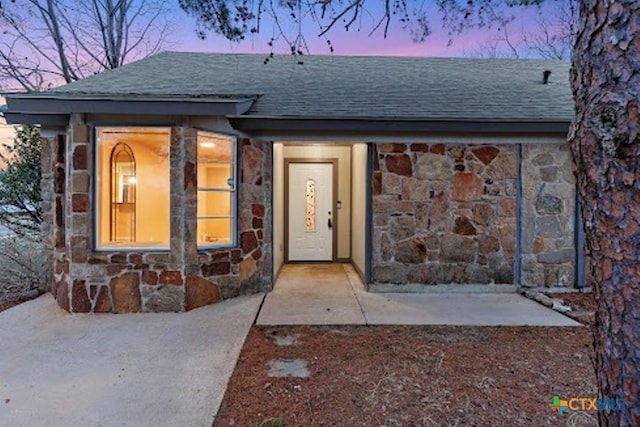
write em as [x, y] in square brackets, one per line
[8, 304]
[583, 306]
[13, 293]
[412, 376]
[7, 301]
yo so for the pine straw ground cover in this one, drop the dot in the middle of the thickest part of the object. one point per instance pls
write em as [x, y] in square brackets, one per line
[412, 376]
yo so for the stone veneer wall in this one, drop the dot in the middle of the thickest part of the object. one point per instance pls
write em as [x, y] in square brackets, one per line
[444, 214]
[182, 278]
[52, 188]
[548, 216]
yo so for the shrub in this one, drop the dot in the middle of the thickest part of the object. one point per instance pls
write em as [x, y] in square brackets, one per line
[20, 269]
[20, 197]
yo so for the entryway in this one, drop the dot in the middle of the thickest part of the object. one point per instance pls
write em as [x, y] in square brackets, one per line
[320, 204]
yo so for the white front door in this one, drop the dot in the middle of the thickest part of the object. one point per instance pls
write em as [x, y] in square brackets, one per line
[310, 211]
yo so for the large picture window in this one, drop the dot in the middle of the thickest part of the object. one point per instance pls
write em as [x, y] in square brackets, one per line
[132, 188]
[216, 190]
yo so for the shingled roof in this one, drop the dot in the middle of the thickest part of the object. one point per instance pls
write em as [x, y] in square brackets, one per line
[341, 87]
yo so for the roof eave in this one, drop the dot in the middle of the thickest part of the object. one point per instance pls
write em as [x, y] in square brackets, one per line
[253, 124]
[14, 118]
[35, 108]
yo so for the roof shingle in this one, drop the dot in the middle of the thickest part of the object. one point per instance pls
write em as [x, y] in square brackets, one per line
[349, 86]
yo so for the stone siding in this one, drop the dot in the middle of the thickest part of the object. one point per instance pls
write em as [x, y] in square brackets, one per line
[548, 216]
[444, 214]
[182, 278]
[53, 186]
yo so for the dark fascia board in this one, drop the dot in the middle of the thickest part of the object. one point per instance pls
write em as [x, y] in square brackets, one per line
[489, 126]
[41, 119]
[66, 104]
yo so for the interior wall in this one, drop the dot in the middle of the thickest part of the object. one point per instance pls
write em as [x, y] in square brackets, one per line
[358, 206]
[214, 203]
[151, 152]
[278, 207]
[152, 216]
[343, 154]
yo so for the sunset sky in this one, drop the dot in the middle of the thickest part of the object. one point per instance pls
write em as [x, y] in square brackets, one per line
[358, 42]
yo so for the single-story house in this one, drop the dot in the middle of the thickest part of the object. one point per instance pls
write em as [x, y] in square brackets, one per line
[186, 178]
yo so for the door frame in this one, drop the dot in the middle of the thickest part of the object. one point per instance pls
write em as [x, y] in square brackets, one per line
[334, 216]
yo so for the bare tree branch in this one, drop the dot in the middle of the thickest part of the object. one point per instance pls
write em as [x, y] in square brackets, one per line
[57, 41]
[233, 19]
[553, 38]
[143, 35]
[51, 19]
[386, 18]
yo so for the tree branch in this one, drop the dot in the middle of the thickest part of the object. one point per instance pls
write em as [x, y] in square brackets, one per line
[52, 40]
[339, 16]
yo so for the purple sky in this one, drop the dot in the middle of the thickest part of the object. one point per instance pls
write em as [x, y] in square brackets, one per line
[354, 42]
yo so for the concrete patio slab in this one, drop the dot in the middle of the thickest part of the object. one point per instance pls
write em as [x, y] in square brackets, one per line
[164, 369]
[304, 292]
[458, 309]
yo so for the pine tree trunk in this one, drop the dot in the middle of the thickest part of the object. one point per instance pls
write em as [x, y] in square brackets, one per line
[605, 140]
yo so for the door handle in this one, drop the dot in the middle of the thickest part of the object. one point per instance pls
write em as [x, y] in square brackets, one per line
[329, 223]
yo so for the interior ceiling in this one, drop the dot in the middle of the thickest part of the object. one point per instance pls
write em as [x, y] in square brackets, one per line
[219, 151]
[213, 146]
[154, 140]
[216, 147]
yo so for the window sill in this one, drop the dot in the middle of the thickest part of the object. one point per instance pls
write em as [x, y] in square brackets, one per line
[216, 246]
[115, 249]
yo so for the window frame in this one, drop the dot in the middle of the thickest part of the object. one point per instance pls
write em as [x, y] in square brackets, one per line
[94, 190]
[233, 216]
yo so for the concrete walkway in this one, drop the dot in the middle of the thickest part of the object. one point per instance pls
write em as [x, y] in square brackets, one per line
[172, 369]
[312, 294]
[167, 369]
[321, 294]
